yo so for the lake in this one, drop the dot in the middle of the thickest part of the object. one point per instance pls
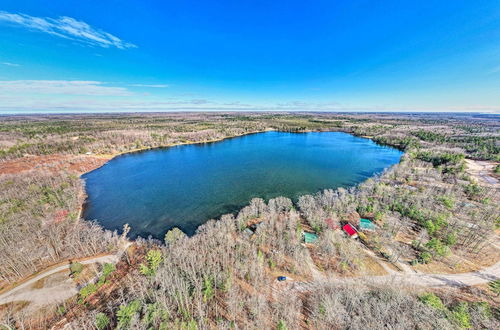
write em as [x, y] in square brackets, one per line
[184, 186]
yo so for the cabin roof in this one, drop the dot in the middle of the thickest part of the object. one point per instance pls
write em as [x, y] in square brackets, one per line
[366, 224]
[349, 230]
[248, 232]
[309, 237]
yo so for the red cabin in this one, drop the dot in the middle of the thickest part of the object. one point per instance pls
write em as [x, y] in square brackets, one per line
[350, 230]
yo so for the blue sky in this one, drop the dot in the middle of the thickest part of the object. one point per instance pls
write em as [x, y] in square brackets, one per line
[65, 56]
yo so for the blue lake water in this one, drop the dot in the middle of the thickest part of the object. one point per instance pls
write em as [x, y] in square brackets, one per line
[184, 186]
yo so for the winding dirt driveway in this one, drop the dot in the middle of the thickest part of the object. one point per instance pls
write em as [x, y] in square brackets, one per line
[482, 276]
[53, 294]
[67, 289]
[414, 279]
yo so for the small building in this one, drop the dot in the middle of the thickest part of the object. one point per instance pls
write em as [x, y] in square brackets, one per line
[309, 237]
[365, 224]
[350, 231]
[248, 232]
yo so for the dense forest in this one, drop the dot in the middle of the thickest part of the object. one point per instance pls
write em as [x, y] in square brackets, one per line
[431, 214]
[475, 135]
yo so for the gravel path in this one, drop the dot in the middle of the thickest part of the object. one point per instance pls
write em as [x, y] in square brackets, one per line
[437, 280]
[66, 289]
[53, 294]
[409, 279]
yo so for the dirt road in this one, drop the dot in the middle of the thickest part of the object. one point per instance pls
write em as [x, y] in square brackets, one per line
[411, 279]
[53, 294]
[437, 280]
[66, 289]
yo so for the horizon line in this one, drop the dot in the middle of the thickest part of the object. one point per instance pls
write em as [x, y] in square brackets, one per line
[21, 113]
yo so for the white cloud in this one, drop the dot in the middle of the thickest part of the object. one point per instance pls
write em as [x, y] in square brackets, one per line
[150, 86]
[61, 87]
[10, 64]
[95, 96]
[68, 28]
[9, 104]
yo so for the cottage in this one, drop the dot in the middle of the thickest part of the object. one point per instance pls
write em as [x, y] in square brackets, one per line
[350, 231]
[248, 232]
[365, 224]
[309, 237]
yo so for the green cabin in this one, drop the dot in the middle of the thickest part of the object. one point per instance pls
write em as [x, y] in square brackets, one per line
[309, 237]
[365, 224]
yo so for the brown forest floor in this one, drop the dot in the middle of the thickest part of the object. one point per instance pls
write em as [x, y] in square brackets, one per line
[54, 163]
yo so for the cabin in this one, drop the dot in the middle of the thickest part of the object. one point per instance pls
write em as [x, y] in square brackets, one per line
[248, 232]
[251, 229]
[309, 237]
[365, 224]
[350, 231]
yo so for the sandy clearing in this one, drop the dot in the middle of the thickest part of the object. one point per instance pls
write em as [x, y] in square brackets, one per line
[483, 172]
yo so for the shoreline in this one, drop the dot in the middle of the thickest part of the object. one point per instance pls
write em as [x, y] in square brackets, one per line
[111, 157]
[92, 162]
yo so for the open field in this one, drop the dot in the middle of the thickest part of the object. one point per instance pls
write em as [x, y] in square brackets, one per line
[437, 212]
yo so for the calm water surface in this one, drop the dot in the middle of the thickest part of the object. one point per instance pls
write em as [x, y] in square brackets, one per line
[184, 186]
